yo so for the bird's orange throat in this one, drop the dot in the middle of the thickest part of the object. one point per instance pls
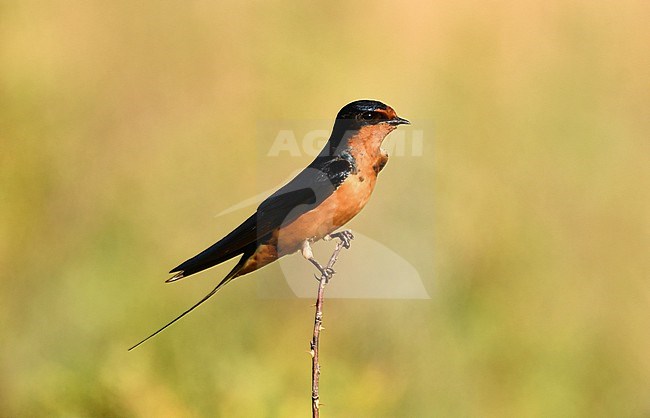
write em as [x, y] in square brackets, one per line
[365, 146]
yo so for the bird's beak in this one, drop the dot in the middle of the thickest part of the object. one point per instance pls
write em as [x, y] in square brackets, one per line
[398, 121]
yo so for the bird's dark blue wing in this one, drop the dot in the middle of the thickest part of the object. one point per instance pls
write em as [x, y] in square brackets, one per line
[306, 191]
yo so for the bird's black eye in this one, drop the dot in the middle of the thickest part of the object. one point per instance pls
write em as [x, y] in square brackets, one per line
[368, 115]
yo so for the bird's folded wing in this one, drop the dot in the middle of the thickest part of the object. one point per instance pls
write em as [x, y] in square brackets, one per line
[306, 191]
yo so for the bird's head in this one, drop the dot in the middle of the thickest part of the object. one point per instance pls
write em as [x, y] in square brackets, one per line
[366, 118]
[368, 112]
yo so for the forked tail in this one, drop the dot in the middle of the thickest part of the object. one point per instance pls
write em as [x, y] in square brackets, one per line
[233, 273]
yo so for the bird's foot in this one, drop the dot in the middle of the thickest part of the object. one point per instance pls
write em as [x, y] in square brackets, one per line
[345, 236]
[326, 273]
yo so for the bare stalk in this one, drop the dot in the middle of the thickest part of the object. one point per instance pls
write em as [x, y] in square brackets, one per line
[325, 277]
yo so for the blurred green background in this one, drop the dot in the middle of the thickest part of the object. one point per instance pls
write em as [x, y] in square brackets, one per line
[126, 126]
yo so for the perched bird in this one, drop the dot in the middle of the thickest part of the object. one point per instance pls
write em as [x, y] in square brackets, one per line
[318, 201]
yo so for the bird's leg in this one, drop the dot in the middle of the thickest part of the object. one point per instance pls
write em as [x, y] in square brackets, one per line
[306, 252]
[345, 236]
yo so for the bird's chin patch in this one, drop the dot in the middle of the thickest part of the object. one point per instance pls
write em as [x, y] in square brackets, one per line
[383, 129]
[388, 127]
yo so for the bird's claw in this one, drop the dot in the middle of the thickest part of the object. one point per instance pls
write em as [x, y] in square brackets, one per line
[345, 236]
[326, 274]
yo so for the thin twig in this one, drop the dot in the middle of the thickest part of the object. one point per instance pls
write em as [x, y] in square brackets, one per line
[318, 326]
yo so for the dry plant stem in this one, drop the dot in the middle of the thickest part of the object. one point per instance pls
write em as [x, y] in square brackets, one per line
[326, 275]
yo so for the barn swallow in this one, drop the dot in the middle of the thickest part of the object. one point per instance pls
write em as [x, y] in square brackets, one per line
[318, 201]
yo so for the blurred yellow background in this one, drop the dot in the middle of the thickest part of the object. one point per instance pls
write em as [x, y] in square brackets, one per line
[126, 126]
